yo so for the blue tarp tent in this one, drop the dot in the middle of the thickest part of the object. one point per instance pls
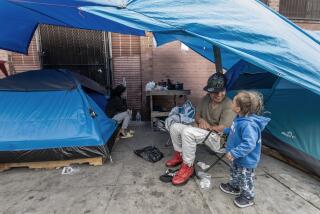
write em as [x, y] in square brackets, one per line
[244, 30]
[294, 126]
[49, 115]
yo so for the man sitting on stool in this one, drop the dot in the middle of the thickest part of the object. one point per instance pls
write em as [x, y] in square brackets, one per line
[214, 113]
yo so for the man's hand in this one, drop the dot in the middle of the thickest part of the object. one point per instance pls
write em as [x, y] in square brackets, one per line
[218, 129]
[229, 156]
[214, 129]
[204, 124]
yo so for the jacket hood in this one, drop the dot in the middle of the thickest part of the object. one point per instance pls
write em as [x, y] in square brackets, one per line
[260, 121]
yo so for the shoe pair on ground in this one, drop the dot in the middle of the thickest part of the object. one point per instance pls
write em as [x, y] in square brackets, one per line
[185, 171]
[240, 201]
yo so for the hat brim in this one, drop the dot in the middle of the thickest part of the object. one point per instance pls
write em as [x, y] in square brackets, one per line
[213, 90]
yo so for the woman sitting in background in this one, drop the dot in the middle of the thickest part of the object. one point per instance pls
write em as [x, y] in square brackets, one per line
[117, 109]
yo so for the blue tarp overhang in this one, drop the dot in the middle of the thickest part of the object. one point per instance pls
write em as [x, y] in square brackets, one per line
[245, 29]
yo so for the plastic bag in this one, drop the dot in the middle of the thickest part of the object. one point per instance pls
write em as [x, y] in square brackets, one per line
[205, 183]
[203, 165]
[205, 180]
[149, 153]
[150, 86]
[68, 170]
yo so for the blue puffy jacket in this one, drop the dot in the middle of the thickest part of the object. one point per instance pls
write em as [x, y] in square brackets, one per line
[244, 141]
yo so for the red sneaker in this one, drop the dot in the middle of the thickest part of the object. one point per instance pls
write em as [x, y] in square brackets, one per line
[183, 175]
[175, 160]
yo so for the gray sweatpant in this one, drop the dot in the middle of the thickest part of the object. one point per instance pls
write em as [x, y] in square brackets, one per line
[123, 117]
[185, 139]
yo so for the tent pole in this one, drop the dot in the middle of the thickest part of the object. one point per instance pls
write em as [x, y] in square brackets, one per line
[217, 56]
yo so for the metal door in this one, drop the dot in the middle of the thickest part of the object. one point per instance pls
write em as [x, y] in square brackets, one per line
[82, 51]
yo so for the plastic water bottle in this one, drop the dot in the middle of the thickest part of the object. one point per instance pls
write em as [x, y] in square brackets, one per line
[205, 180]
[138, 117]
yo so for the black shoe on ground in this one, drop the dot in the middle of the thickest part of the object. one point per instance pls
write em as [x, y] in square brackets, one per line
[227, 188]
[168, 175]
[242, 201]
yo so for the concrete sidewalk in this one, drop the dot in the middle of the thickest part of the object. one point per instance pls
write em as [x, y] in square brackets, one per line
[131, 185]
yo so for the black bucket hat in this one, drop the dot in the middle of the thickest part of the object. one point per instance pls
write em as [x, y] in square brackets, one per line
[216, 83]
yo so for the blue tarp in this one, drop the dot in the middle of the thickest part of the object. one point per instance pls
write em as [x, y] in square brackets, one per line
[244, 29]
[315, 34]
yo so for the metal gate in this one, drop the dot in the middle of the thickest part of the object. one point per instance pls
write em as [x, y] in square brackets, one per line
[82, 51]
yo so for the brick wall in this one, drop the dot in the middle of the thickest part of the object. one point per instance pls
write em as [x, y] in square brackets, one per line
[4, 55]
[23, 62]
[127, 66]
[308, 25]
[17, 63]
[157, 64]
[170, 62]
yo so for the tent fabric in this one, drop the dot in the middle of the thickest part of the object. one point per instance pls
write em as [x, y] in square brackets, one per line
[39, 80]
[303, 159]
[100, 99]
[18, 25]
[246, 29]
[87, 83]
[48, 80]
[262, 79]
[198, 45]
[21, 22]
[293, 111]
[49, 119]
[315, 34]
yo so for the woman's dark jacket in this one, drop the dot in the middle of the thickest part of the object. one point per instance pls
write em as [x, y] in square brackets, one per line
[115, 105]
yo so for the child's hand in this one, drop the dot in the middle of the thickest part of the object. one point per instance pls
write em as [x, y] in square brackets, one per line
[229, 156]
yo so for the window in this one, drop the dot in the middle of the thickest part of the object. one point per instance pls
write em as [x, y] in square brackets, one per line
[301, 9]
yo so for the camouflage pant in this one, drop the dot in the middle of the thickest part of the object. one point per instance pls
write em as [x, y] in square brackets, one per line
[243, 179]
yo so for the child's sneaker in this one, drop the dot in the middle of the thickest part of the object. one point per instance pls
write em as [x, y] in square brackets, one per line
[242, 202]
[227, 188]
